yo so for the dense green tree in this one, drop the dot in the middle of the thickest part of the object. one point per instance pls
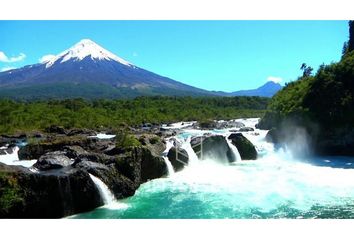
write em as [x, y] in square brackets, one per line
[351, 36]
[38, 115]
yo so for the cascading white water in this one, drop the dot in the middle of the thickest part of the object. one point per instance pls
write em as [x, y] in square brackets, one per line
[192, 156]
[169, 145]
[12, 159]
[170, 170]
[106, 194]
[276, 185]
[233, 149]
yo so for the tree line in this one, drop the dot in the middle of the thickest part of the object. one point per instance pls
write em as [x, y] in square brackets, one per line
[21, 116]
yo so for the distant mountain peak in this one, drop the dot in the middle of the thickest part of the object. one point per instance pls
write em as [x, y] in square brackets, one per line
[86, 48]
[90, 71]
[266, 90]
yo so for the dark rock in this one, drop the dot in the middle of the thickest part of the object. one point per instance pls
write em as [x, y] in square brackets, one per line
[246, 129]
[34, 151]
[140, 164]
[53, 160]
[153, 142]
[114, 151]
[209, 124]
[81, 131]
[152, 165]
[246, 149]
[336, 141]
[51, 194]
[56, 129]
[100, 145]
[178, 158]
[7, 149]
[15, 140]
[96, 157]
[120, 185]
[74, 151]
[273, 136]
[213, 147]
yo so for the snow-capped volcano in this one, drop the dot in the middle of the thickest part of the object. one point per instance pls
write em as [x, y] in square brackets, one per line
[86, 48]
[88, 70]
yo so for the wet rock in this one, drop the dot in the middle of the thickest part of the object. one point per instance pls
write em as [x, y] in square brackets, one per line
[119, 184]
[178, 158]
[51, 194]
[213, 147]
[336, 141]
[152, 165]
[53, 160]
[56, 143]
[246, 149]
[246, 129]
[273, 136]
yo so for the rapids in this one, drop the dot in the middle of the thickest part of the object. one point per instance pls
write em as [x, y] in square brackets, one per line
[277, 185]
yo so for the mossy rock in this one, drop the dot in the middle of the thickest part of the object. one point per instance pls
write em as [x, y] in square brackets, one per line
[10, 193]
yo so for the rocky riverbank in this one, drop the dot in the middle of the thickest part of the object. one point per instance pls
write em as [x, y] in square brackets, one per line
[59, 183]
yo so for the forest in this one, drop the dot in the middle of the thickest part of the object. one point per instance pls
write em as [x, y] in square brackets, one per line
[21, 116]
[325, 98]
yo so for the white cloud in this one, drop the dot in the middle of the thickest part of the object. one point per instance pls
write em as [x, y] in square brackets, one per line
[7, 68]
[46, 58]
[135, 54]
[274, 79]
[4, 58]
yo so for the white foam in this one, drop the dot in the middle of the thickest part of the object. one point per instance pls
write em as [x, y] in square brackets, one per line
[12, 159]
[103, 136]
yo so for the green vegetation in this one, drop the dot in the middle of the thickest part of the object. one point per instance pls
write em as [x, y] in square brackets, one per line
[126, 140]
[95, 114]
[9, 192]
[326, 98]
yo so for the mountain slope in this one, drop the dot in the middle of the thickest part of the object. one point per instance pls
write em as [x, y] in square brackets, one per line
[269, 89]
[88, 70]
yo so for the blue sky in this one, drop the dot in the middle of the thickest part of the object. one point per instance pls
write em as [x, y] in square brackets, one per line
[214, 55]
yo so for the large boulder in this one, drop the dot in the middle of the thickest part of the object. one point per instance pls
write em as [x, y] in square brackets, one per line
[140, 164]
[51, 194]
[119, 184]
[178, 157]
[152, 165]
[153, 142]
[246, 149]
[213, 147]
[53, 160]
[51, 144]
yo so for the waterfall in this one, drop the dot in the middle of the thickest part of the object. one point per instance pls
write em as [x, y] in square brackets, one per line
[170, 170]
[105, 193]
[233, 149]
[192, 156]
[169, 145]
[12, 159]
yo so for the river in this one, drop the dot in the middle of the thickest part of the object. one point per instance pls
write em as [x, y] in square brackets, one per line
[280, 184]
